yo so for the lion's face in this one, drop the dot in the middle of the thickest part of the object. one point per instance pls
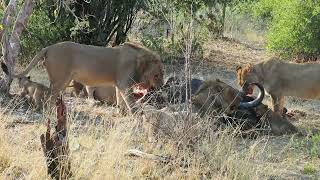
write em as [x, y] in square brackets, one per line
[216, 95]
[246, 75]
[153, 75]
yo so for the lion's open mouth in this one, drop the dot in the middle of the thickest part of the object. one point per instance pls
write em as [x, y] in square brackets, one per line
[250, 90]
[139, 91]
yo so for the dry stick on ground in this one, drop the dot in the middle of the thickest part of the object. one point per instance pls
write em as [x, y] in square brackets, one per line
[141, 154]
[56, 147]
[11, 44]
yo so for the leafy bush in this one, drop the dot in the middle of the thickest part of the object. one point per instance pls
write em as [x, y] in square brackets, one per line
[41, 32]
[309, 169]
[310, 145]
[151, 29]
[293, 27]
[315, 145]
[171, 48]
[95, 23]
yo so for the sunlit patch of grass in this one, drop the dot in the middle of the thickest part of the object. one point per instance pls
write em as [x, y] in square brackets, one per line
[309, 169]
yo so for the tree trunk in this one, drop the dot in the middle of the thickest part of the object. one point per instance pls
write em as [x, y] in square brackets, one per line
[11, 44]
[223, 18]
[6, 48]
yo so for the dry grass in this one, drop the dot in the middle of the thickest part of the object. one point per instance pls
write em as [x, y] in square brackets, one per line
[100, 138]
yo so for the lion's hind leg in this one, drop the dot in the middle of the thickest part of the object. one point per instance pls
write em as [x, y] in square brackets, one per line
[56, 88]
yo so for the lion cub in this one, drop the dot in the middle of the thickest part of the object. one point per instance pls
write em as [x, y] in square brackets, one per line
[33, 91]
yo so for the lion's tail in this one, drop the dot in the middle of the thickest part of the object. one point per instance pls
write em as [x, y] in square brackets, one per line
[40, 56]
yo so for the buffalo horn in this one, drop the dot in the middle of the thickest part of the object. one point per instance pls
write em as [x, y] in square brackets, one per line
[255, 102]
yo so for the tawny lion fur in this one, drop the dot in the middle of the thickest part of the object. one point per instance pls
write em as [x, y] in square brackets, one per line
[121, 66]
[216, 95]
[105, 94]
[281, 79]
[35, 92]
[77, 88]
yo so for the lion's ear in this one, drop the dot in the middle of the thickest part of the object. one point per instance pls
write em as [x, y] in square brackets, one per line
[238, 68]
[249, 67]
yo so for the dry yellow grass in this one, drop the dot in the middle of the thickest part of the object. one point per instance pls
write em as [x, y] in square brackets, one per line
[99, 140]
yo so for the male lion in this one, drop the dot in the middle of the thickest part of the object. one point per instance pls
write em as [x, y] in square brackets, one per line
[121, 66]
[282, 79]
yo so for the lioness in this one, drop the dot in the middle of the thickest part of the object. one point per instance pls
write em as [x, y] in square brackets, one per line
[281, 79]
[35, 92]
[122, 66]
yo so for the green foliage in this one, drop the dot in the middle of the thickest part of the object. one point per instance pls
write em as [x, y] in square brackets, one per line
[293, 27]
[201, 18]
[89, 22]
[180, 19]
[311, 145]
[315, 145]
[309, 169]
[97, 22]
[173, 47]
[41, 32]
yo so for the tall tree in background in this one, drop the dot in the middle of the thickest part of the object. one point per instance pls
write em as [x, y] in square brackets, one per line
[98, 22]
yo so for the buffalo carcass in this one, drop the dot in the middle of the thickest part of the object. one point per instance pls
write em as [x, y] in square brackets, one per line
[173, 92]
[216, 97]
[175, 89]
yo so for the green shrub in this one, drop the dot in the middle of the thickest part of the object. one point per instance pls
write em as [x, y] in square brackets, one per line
[172, 49]
[309, 169]
[315, 145]
[293, 27]
[152, 35]
[41, 32]
[310, 145]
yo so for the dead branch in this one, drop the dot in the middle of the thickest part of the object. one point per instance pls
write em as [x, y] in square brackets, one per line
[56, 147]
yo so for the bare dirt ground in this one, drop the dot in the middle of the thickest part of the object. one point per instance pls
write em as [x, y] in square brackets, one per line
[100, 138]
